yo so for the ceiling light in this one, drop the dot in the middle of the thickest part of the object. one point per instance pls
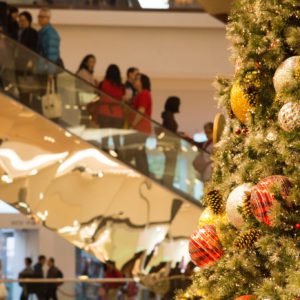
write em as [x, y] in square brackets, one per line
[154, 4]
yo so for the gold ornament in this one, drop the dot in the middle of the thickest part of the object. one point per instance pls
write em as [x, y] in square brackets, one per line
[288, 73]
[209, 218]
[240, 103]
[247, 239]
[214, 200]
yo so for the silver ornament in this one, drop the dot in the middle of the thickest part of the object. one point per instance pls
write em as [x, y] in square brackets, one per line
[234, 201]
[289, 116]
[284, 74]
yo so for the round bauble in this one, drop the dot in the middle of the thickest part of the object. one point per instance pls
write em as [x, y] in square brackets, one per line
[246, 297]
[262, 198]
[209, 218]
[285, 73]
[234, 201]
[289, 116]
[204, 246]
[240, 104]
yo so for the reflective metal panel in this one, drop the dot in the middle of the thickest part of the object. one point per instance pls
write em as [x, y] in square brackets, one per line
[85, 195]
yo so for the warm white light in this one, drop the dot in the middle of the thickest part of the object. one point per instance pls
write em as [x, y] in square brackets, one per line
[5, 178]
[161, 135]
[113, 153]
[84, 154]
[49, 139]
[33, 172]
[68, 134]
[154, 4]
[41, 196]
[39, 160]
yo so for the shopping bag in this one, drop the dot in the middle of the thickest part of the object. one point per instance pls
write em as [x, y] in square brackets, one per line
[51, 102]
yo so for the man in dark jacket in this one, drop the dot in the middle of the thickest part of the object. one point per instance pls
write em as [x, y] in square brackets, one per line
[53, 272]
[27, 273]
[39, 288]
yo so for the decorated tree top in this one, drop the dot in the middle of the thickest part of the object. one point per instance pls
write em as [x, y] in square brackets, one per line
[256, 177]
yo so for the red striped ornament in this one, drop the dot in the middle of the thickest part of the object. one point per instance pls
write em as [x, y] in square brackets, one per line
[262, 199]
[246, 297]
[204, 246]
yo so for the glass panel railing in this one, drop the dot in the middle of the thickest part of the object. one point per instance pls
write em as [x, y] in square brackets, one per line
[109, 124]
[95, 289]
[114, 4]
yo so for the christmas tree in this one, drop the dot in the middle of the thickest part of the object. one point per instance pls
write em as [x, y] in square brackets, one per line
[247, 245]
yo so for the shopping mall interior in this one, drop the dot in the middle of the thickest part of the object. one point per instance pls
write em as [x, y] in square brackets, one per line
[149, 149]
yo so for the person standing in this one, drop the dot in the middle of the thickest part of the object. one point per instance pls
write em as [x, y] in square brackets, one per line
[39, 288]
[27, 36]
[25, 60]
[130, 91]
[171, 151]
[203, 161]
[27, 273]
[54, 273]
[140, 122]
[86, 69]
[12, 22]
[49, 39]
[110, 112]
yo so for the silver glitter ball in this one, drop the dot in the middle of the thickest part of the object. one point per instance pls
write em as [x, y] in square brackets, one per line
[284, 75]
[289, 116]
[234, 201]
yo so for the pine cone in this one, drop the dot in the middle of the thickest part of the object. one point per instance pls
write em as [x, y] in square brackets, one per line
[247, 239]
[246, 208]
[215, 201]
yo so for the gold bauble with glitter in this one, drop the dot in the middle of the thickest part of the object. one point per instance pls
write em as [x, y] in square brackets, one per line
[240, 103]
[209, 218]
[287, 74]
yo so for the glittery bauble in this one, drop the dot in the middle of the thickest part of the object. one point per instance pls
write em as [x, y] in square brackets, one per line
[289, 116]
[262, 198]
[204, 246]
[285, 73]
[209, 218]
[234, 201]
[246, 297]
[240, 105]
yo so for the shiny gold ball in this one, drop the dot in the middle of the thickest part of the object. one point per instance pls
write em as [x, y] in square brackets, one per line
[287, 73]
[240, 103]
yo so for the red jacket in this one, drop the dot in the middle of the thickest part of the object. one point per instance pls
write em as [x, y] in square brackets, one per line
[108, 107]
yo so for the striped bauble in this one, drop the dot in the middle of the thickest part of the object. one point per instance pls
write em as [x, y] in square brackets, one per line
[262, 196]
[204, 246]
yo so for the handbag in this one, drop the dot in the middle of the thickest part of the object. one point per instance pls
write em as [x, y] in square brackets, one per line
[3, 292]
[51, 102]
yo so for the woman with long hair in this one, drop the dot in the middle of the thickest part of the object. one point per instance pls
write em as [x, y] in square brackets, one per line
[140, 122]
[86, 69]
[111, 113]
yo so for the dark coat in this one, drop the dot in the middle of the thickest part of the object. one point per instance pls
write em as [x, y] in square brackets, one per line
[29, 38]
[53, 272]
[169, 121]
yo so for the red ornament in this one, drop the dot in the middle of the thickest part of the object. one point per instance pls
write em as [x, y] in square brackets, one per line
[246, 297]
[238, 131]
[262, 199]
[297, 226]
[204, 246]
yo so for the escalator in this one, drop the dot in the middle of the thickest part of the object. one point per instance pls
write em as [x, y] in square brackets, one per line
[69, 175]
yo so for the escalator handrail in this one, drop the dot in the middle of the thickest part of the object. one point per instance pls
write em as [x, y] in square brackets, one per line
[98, 91]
